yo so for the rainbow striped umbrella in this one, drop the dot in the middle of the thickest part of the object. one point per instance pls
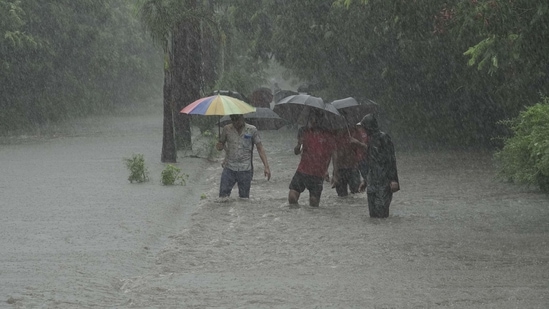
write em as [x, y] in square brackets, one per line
[218, 105]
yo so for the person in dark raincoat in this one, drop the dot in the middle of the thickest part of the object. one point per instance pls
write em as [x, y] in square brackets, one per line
[382, 176]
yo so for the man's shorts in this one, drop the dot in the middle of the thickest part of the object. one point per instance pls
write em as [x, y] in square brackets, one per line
[301, 181]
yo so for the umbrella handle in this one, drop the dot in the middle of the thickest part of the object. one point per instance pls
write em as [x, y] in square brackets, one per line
[347, 126]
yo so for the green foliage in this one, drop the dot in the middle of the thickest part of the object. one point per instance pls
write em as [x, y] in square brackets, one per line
[171, 175]
[64, 59]
[525, 157]
[243, 46]
[12, 36]
[442, 71]
[241, 78]
[138, 170]
[412, 58]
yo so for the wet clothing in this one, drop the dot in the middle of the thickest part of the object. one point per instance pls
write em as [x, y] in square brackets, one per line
[316, 154]
[318, 146]
[361, 153]
[239, 146]
[382, 168]
[348, 159]
[348, 178]
[301, 181]
[362, 136]
[346, 153]
[363, 169]
[237, 166]
[229, 178]
[379, 202]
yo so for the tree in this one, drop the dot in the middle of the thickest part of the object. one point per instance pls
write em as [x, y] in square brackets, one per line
[412, 58]
[174, 24]
[62, 59]
[187, 74]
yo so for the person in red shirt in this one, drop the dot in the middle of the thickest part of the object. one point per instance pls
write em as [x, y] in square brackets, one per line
[316, 146]
[347, 176]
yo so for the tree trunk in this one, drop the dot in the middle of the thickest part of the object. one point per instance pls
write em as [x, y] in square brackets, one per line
[187, 75]
[210, 51]
[169, 153]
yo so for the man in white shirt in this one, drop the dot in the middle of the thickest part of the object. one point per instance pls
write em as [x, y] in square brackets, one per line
[238, 140]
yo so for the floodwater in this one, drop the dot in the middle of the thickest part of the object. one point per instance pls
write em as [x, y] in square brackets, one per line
[77, 234]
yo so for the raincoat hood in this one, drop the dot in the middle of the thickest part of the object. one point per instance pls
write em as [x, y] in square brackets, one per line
[369, 123]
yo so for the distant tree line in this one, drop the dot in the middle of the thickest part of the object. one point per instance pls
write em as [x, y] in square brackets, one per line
[61, 59]
[443, 72]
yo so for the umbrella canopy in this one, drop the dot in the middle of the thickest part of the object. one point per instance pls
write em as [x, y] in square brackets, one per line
[281, 94]
[218, 105]
[296, 108]
[263, 119]
[333, 120]
[352, 110]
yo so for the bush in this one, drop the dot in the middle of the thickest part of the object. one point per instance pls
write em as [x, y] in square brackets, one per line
[137, 168]
[524, 158]
[172, 175]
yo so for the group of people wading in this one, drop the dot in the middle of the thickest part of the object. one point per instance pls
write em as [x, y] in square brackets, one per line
[362, 157]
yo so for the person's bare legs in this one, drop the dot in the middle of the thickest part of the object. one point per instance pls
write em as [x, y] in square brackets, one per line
[293, 197]
[314, 201]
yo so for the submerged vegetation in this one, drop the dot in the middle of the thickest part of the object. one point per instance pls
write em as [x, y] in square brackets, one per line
[136, 166]
[172, 175]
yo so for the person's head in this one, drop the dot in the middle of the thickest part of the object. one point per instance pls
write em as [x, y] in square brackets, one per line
[237, 120]
[369, 123]
[315, 118]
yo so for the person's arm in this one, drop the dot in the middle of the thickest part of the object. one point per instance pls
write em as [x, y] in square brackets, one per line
[297, 148]
[335, 169]
[335, 161]
[263, 156]
[358, 143]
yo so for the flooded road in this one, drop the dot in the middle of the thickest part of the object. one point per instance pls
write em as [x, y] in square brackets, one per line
[77, 234]
[71, 222]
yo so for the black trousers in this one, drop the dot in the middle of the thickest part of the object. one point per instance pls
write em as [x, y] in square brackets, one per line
[348, 177]
[379, 201]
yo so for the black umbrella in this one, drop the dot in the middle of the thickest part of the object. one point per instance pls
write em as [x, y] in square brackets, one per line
[263, 119]
[296, 108]
[352, 110]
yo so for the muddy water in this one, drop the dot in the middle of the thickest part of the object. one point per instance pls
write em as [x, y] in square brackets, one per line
[78, 236]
